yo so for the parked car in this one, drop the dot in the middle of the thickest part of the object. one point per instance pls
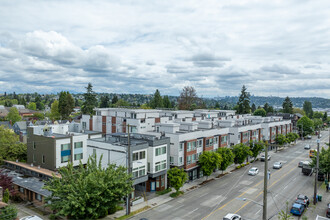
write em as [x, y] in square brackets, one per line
[300, 164]
[262, 158]
[307, 147]
[297, 209]
[277, 165]
[253, 171]
[231, 216]
[309, 137]
[328, 211]
[302, 199]
[32, 217]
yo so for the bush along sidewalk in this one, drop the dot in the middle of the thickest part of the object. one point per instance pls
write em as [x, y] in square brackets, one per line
[163, 192]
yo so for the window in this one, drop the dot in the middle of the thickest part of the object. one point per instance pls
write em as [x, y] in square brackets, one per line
[188, 146]
[181, 146]
[78, 145]
[142, 155]
[194, 145]
[160, 151]
[84, 125]
[78, 156]
[207, 142]
[163, 180]
[148, 167]
[216, 140]
[21, 189]
[38, 197]
[139, 171]
[180, 160]
[193, 158]
[161, 165]
[34, 145]
[200, 143]
[65, 159]
[189, 160]
[43, 158]
[139, 155]
[171, 160]
[65, 147]
[135, 156]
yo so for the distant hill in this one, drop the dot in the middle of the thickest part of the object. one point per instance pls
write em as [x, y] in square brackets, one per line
[277, 101]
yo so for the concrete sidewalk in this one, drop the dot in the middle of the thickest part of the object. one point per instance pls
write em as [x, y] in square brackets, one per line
[161, 199]
[321, 206]
[187, 187]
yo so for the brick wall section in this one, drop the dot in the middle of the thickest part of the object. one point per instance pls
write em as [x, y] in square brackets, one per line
[190, 153]
[124, 127]
[104, 125]
[91, 124]
[193, 119]
[157, 120]
[270, 134]
[113, 126]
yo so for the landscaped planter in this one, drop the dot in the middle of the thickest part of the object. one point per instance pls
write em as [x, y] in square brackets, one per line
[138, 201]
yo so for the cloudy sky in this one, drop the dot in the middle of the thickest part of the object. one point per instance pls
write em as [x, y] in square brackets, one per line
[275, 47]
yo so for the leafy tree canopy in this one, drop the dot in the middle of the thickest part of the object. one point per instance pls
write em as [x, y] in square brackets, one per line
[260, 112]
[256, 148]
[241, 152]
[32, 106]
[307, 106]
[13, 115]
[306, 124]
[10, 147]
[88, 193]
[54, 112]
[177, 177]
[227, 157]
[209, 161]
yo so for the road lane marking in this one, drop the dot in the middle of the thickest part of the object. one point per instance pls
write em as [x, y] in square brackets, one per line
[190, 212]
[211, 213]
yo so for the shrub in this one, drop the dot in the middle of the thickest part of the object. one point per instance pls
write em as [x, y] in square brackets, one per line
[164, 191]
[176, 194]
[5, 198]
[247, 163]
[8, 213]
[239, 166]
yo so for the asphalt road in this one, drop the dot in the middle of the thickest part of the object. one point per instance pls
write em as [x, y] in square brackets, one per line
[219, 197]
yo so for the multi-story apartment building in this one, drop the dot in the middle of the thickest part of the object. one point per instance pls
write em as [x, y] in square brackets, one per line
[190, 132]
[149, 157]
[53, 146]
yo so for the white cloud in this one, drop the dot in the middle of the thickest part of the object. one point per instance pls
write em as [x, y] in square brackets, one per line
[275, 48]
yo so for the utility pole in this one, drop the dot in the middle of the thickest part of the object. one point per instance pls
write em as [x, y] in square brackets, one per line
[317, 166]
[264, 213]
[128, 198]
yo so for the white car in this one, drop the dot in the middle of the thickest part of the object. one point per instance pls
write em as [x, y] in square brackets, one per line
[32, 217]
[277, 165]
[231, 216]
[253, 171]
[307, 147]
[262, 158]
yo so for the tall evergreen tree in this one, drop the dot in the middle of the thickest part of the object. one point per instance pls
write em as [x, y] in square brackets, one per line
[287, 105]
[253, 107]
[166, 102]
[54, 112]
[157, 100]
[104, 101]
[114, 100]
[65, 104]
[308, 109]
[90, 100]
[325, 116]
[244, 102]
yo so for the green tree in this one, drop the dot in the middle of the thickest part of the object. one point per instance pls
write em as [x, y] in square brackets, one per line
[299, 110]
[307, 106]
[318, 115]
[287, 105]
[291, 137]
[256, 148]
[177, 177]
[324, 161]
[114, 100]
[253, 108]
[122, 103]
[325, 116]
[157, 100]
[54, 112]
[10, 146]
[317, 122]
[8, 213]
[39, 116]
[217, 105]
[65, 104]
[188, 97]
[241, 152]
[167, 103]
[13, 115]
[244, 102]
[6, 195]
[281, 139]
[227, 157]
[90, 100]
[105, 101]
[307, 125]
[209, 161]
[260, 112]
[88, 193]
[32, 106]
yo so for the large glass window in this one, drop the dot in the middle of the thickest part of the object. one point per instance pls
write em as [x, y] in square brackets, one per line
[78, 145]
[181, 146]
[78, 156]
[160, 151]
[188, 159]
[65, 147]
[200, 143]
[65, 159]
[161, 165]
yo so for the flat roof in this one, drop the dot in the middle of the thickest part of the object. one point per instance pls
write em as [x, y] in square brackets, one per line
[34, 168]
